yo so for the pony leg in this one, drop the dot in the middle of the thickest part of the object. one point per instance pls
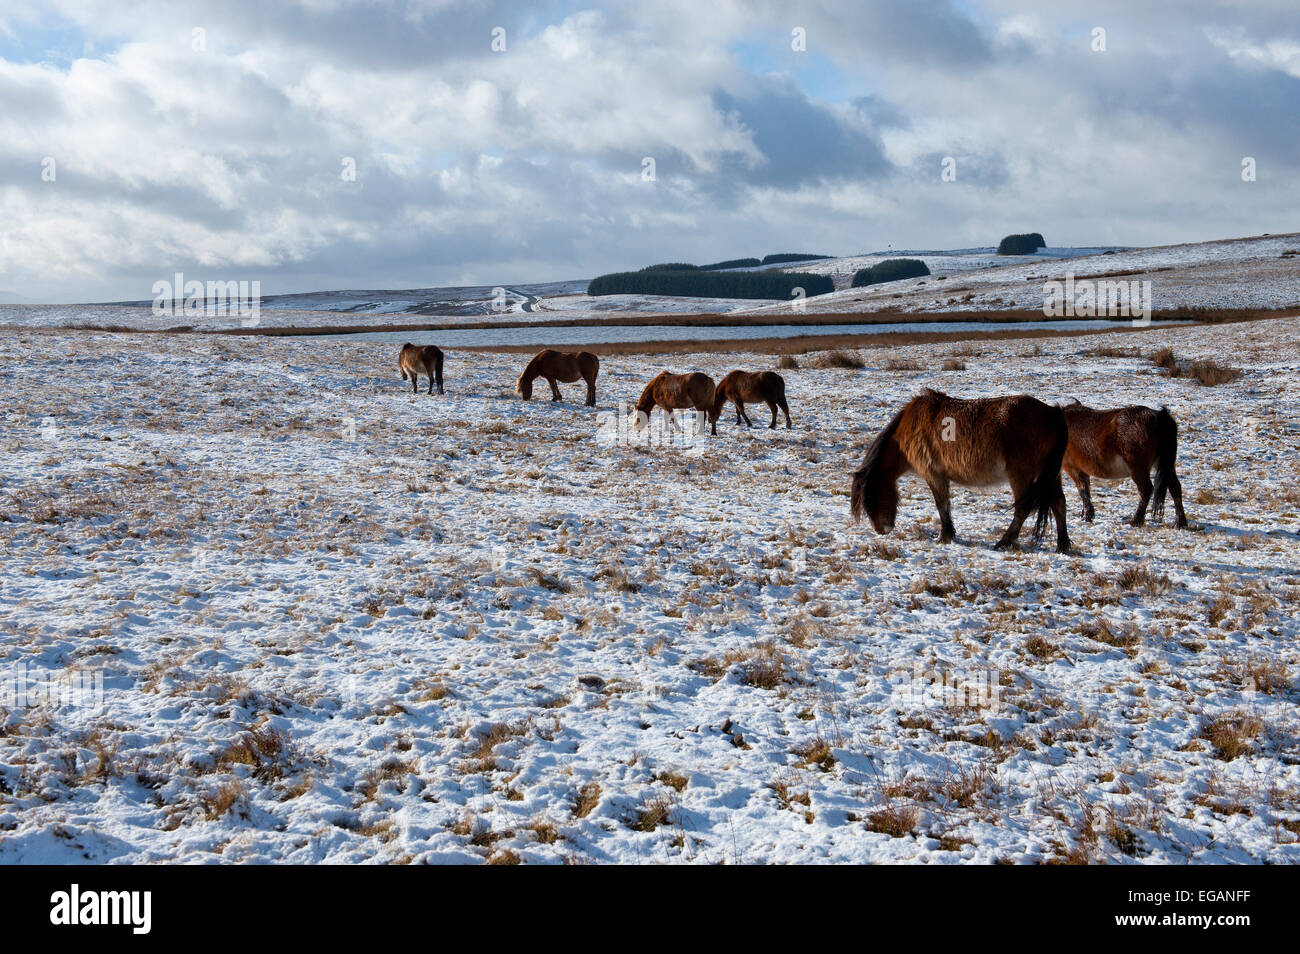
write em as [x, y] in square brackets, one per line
[415, 383]
[1084, 483]
[771, 406]
[1143, 482]
[1058, 511]
[1023, 508]
[707, 416]
[785, 409]
[555, 389]
[740, 413]
[1176, 491]
[591, 392]
[942, 500]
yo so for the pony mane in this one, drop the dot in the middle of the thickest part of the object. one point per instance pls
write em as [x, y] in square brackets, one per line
[533, 369]
[865, 476]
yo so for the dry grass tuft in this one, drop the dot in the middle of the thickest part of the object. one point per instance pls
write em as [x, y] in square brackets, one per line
[588, 798]
[1232, 734]
[816, 752]
[674, 780]
[896, 821]
[651, 814]
[1142, 578]
[849, 360]
[1207, 373]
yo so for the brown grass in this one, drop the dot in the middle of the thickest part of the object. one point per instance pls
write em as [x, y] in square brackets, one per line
[1231, 734]
[588, 798]
[816, 752]
[651, 814]
[1207, 373]
[839, 359]
[896, 821]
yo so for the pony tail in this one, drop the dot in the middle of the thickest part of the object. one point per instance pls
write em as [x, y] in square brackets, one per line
[1047, 486]
[1166, 452]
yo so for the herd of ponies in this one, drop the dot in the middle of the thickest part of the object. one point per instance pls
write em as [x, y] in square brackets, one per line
[977, 442]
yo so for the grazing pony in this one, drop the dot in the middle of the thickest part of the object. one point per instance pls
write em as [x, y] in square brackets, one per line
[978, 443]
[416, 360]
[560, 366]
[677, 391]
[1125, 442]
[742, 386]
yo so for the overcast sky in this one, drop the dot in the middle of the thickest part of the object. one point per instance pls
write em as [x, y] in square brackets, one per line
[213, 138]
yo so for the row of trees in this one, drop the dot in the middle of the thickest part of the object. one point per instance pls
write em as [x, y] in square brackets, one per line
[734, 263]
[778, 258]
[695, 282]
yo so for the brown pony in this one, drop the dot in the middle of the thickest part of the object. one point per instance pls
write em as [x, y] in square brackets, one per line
[742, 386]
[677, 391]
[978, 443]
[1125, 442]
[415, 361]
[560, 366]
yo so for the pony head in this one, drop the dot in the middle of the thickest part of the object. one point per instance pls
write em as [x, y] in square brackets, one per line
[877, 498]
[524, 388]
[875, 483]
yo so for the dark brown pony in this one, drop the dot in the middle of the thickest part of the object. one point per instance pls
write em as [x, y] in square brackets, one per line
[742, 386]
[678, 391]
[560, 366]
[416, 360]
[1125, 442]
[978, 443]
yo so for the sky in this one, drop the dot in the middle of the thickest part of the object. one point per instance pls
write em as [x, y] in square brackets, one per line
[327, 144]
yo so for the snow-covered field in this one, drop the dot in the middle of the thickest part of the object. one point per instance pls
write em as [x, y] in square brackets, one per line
[338, 621]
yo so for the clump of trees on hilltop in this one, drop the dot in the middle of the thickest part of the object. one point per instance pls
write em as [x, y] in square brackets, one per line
[890, 270]
[1026, 244]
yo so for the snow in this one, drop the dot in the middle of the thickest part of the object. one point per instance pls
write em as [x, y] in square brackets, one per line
[449, 617]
